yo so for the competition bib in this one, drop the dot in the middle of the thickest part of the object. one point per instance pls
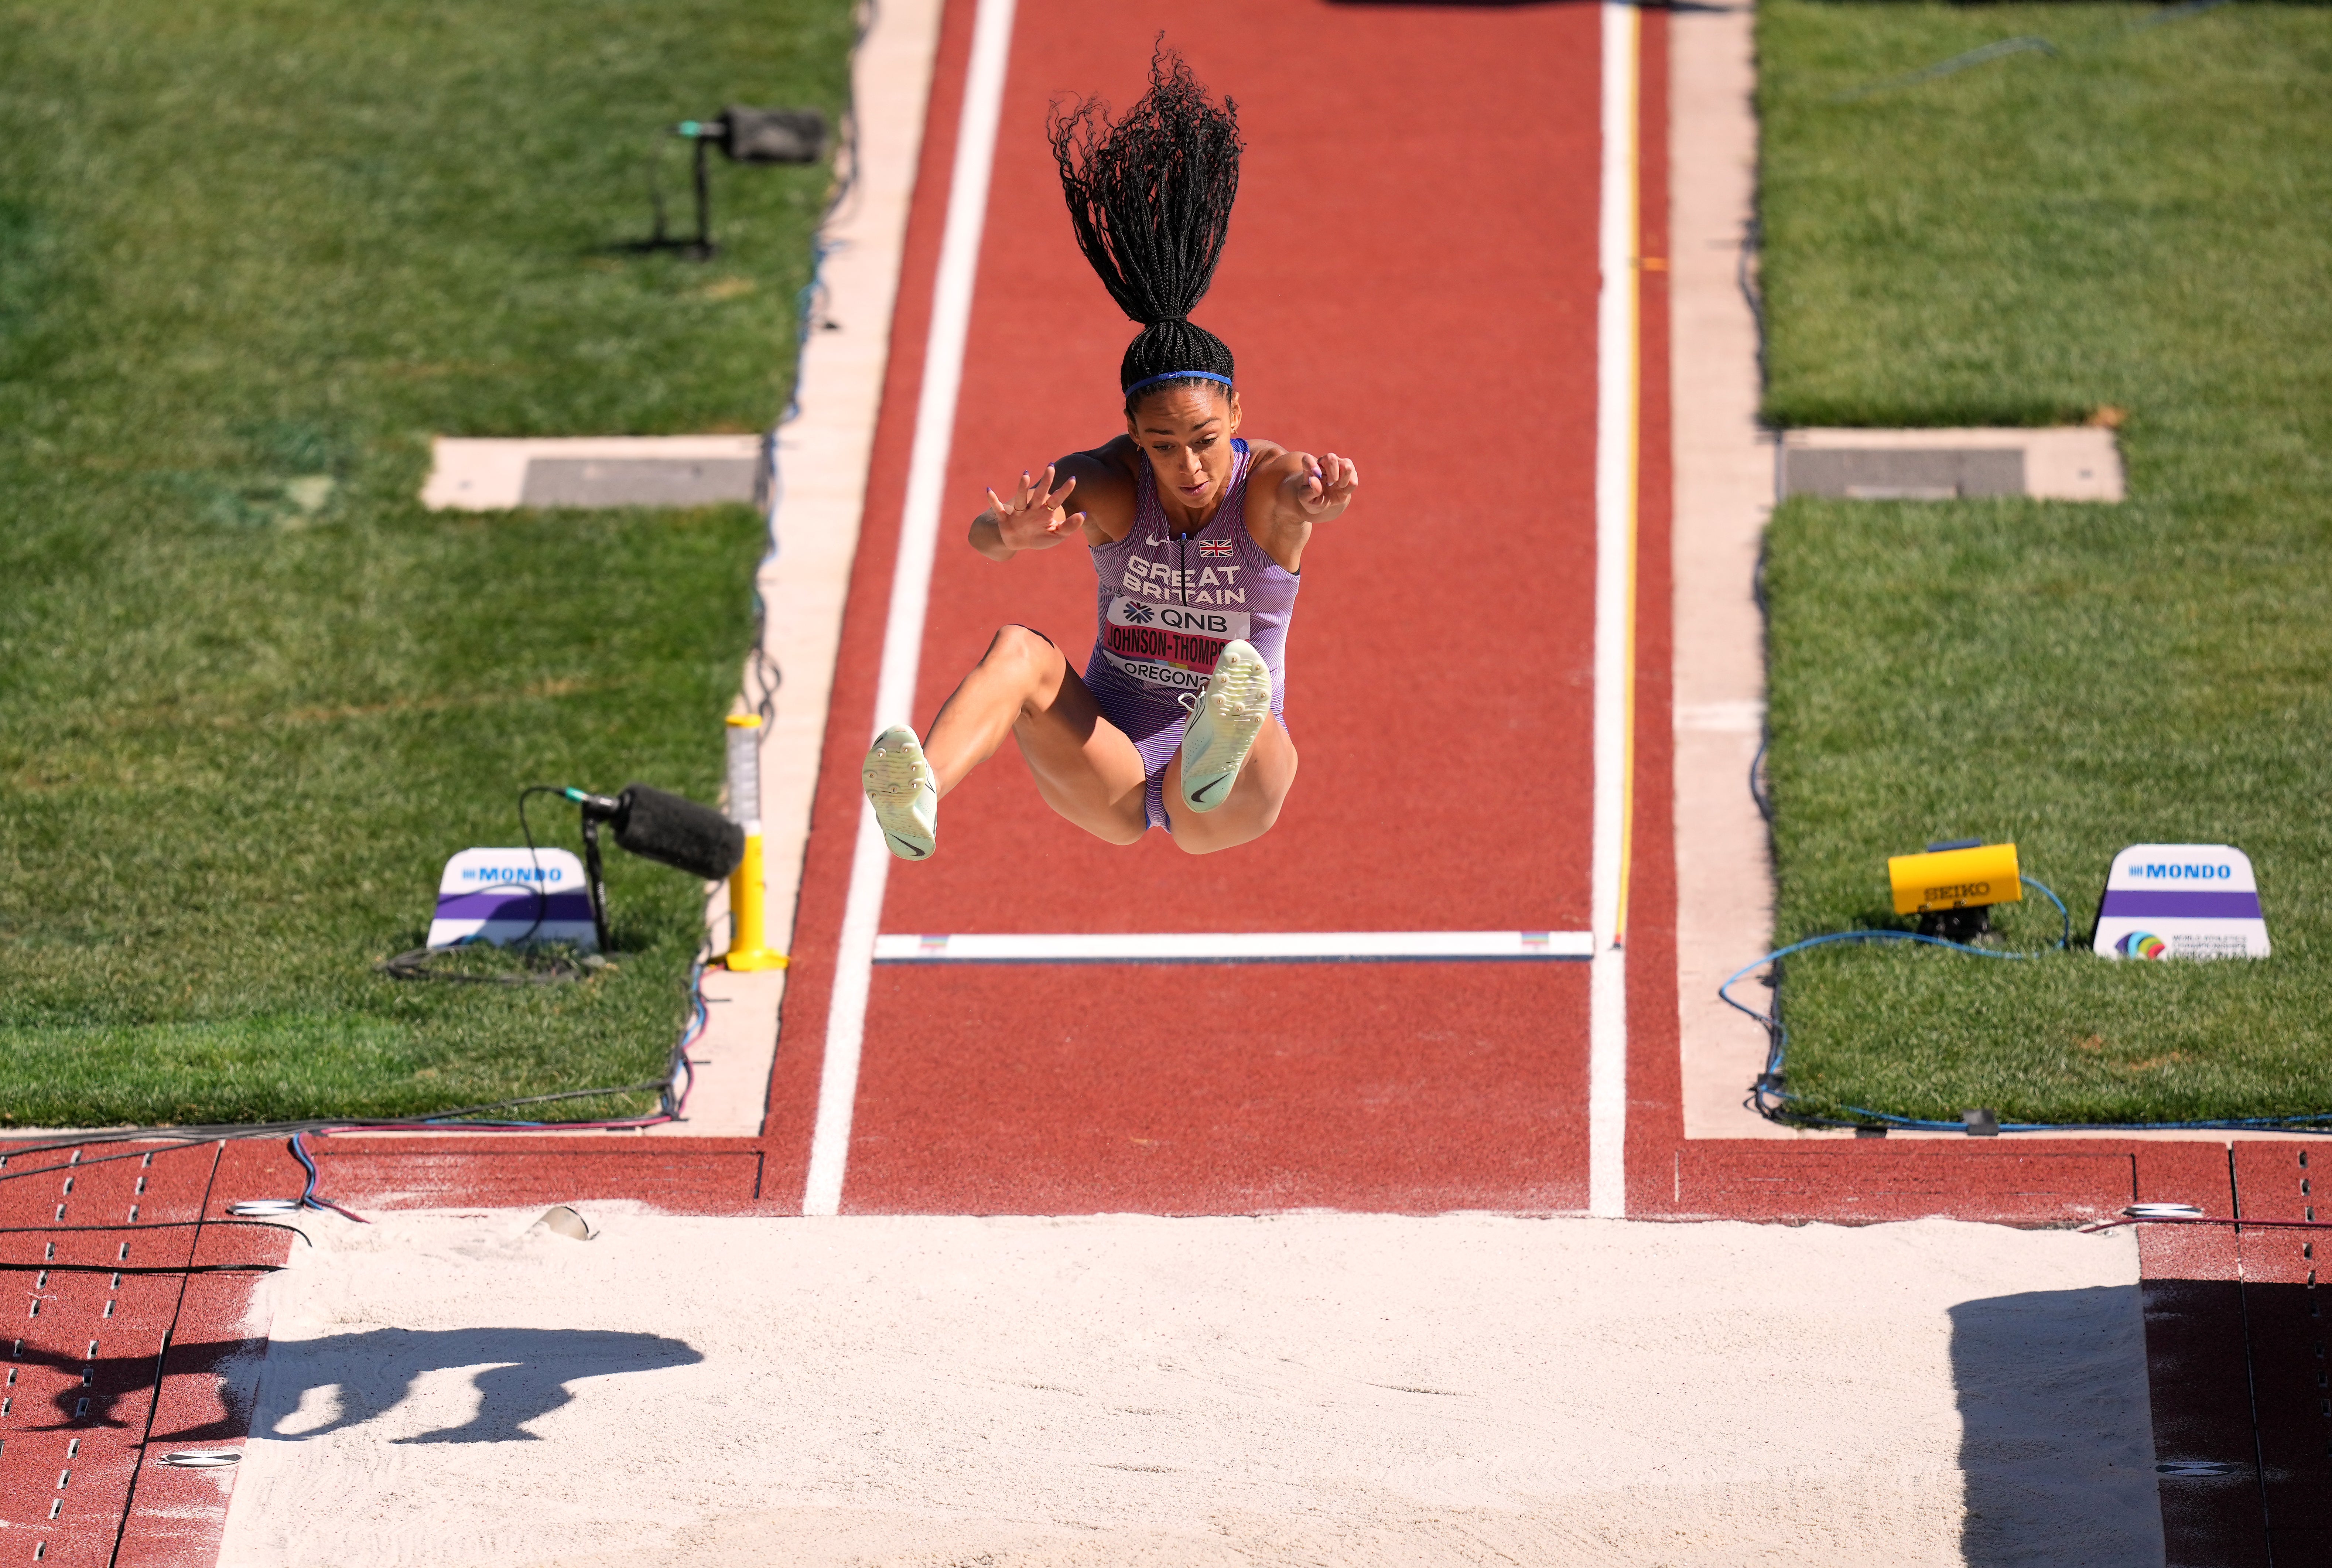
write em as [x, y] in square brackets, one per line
[1172, 647]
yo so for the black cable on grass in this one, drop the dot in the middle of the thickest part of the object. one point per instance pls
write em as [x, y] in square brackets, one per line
[541, 970]
[1150, 199]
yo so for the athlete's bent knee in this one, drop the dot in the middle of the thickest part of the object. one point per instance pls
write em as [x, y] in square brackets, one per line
[1019, 644]
[1030, 664]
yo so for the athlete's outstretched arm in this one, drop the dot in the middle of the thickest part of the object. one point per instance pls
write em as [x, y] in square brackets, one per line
[1299, 490]
[1035, 518]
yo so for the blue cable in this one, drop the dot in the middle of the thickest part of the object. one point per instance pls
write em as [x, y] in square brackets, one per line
[2065, 937]
[307, 1199]
[2005, 47]
[1767, 1085]
[1780, 1035]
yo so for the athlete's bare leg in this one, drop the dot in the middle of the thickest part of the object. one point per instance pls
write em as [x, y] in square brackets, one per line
[1085, 768]
[1254, 803]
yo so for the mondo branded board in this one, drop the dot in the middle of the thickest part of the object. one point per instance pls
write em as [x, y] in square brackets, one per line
[2167, 900]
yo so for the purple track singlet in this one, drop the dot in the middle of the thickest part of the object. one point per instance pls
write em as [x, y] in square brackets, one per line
[1168, 606]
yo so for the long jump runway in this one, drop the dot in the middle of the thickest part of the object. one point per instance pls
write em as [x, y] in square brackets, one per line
[1411, 280]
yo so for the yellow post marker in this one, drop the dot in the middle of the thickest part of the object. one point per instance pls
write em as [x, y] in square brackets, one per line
[1980, 875]
[749, 947]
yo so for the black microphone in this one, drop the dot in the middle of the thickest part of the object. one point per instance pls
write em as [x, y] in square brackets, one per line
[672, 830]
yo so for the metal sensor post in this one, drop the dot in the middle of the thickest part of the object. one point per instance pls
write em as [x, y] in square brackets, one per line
[748, 899]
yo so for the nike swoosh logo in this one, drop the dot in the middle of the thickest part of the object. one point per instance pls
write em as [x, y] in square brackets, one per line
[1203, 790]
[910, 848]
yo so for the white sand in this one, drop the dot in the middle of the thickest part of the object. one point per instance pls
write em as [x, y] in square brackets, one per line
[1307, 1389]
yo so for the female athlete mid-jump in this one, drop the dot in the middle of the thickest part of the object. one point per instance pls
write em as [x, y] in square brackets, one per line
[1196, 534]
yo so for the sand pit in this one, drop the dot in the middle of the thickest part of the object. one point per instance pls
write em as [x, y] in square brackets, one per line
[1315, 1389]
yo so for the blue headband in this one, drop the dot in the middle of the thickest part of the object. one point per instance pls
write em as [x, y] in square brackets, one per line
[1177, 375]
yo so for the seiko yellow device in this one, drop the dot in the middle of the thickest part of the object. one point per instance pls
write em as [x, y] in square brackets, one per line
[1957, 876]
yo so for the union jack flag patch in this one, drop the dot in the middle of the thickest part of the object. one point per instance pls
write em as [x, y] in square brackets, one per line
[1208, 547]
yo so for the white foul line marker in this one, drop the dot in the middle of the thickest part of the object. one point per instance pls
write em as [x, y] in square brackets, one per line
[1231, 947]
[910, 585]
[1615, 508]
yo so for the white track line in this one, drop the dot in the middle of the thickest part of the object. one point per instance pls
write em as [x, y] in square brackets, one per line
[910, 585]
[1615, 505]
[1231, 947]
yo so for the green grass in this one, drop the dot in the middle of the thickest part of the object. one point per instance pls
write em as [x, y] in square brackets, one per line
[252, 253]
[2144, 223]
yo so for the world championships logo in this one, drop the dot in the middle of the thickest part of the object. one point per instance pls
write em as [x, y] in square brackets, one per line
[2142, 944]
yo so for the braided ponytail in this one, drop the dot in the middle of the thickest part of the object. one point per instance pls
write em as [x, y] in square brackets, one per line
[1150, 198]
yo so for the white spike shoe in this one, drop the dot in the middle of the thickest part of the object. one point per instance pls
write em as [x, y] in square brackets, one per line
[904, 793]
[1231, 712]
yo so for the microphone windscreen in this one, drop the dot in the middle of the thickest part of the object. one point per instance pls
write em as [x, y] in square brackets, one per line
[677, 831]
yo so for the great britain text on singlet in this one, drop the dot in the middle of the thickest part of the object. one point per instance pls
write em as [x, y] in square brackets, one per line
[1208, 585]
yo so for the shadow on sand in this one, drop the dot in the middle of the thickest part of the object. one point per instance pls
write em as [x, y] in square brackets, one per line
[2056, 1445]
[524, 1374]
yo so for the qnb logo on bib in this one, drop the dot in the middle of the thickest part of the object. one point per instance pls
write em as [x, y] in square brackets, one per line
[1167, 645]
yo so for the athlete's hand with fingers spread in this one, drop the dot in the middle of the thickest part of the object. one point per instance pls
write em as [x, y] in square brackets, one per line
[1033, 518]
[1324, 485]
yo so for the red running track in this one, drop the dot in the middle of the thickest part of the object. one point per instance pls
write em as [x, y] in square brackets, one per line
[1410, 280]
[132, 1341]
